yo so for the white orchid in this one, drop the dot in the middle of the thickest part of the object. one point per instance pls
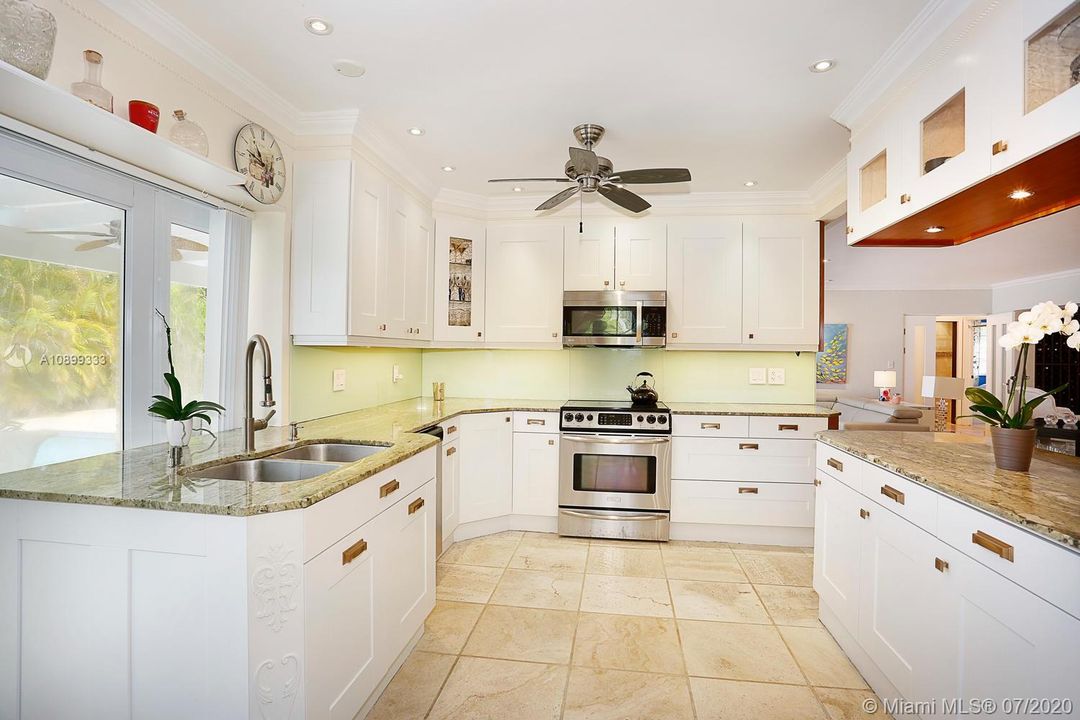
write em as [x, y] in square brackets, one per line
[1071, 327]
[1074, 341]
[1070, 309]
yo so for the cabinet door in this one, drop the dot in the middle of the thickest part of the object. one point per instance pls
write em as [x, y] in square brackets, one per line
[536, 474]
[405, 575]
[704, 282]
[418, 275]
[459, 279]
[392, 294]
[640, 255]
[486, 466]
[589, 257]
[524, 283]
[341, 628]
[451, 491]
[873, 176]
[781, 276]
[837, 533]
[320, 247]
[368, 245]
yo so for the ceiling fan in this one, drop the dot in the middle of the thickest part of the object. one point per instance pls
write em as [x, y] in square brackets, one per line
[594, 173]
[112, 237]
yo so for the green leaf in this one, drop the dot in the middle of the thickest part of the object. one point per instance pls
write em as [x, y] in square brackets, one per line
[983, 397]
[1036, 401]
[206, 405]
[165, 410]
[174, 385]
[162, 398]
[995, 412]
[203, 416]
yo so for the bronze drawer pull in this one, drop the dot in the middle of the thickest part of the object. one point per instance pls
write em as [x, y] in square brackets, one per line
[388, 488]
[905, 199]
[999, 547]
[941, 565]
[353, 551]
[451, 429]
[999, 147]
[892, 493]
[551, 442]
[787, 427]
[450, 451]
[748, 446]
[711, 426]
[748, 490]
[416, 505]
[507, 418]
[864, 513]
[835, 464]
[534, 421]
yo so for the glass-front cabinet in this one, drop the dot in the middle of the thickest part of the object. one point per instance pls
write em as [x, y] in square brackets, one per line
[459, 280]
[873, 178]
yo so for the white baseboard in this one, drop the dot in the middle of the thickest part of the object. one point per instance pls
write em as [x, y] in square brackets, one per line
[750, 534]
[527, 523]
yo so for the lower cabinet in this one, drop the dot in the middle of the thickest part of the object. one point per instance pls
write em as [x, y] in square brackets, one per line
[837, 537]
[771, 504]
[536, 474]
[406, 577]
[451, 487]
[486, 466]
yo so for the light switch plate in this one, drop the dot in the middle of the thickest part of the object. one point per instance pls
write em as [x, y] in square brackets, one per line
[339, 379]
[777, 376]
[757, 376]
[395, 374]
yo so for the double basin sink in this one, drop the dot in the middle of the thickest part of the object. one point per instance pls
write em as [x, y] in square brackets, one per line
[299, 463]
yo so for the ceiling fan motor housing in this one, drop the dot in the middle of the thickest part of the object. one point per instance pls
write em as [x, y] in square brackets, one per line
[588, 134]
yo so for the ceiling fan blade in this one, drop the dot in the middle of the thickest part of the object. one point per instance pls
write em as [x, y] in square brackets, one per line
[558, 199]
[94, 245]
[179, 243]
[73, 233]
[624, 198]
[652, 175]
[584, 161]
[521, 180]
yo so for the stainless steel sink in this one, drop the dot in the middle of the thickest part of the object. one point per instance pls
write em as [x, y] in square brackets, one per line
[265, 470]
[329, 452]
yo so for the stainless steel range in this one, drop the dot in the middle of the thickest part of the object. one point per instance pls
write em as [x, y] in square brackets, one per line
[615, 470]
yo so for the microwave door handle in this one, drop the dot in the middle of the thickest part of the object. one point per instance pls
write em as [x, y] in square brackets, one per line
[617, 441]
[637, 337]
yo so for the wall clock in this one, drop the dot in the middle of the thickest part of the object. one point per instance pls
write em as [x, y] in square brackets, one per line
[258, 156]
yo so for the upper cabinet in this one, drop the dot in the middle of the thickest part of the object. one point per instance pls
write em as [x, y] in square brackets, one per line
[625, 255]
[460, 268]
[524, 283]
[704, 281]
[931, 165]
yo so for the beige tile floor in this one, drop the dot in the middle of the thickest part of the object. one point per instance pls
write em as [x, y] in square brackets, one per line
[529, 626]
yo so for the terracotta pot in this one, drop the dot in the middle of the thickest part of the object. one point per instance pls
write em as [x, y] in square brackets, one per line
[145, 115]
[1013, 448]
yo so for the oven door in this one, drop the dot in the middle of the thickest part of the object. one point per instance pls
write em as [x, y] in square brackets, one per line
[615, 472]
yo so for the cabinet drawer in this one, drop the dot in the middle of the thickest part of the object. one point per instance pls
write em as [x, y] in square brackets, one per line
[1050, 571]
[845, 468]
[916, 504]
[787, 427]
[738, 459]
[328, 521]
[742, 503]
[736, 426]
[451, 429]
[539, 422]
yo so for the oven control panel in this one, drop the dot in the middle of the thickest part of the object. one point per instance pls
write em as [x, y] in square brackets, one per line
[652, 421]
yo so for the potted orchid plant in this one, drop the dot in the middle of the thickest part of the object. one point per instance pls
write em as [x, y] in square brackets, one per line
[179, 416]
[1011, 431]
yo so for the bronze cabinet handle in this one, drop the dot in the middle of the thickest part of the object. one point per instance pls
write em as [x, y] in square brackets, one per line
[535, 421]
[353, 551]
[451, 429]
[787, 427]
[999, 147]
[835, 464]
[388, 488]
[551, 442]
[710, 426]
[999, 547]
[941, 565]
[748, 446]
[507, 418]
[864, 513]
[892, 493]
[416, 505]
[905, 199]
[450, 451]
[748, 491]
[816, 481]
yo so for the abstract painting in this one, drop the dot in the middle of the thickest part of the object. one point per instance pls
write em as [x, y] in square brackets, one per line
[832, 361]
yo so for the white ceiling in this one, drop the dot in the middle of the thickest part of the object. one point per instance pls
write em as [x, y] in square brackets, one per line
[719, 86]
[1040, 247]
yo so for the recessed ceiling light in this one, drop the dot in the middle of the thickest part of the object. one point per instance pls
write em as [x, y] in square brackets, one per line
[823, 66]
[349, 68]
[1020, 194]
[318, 26]
[750, 183]
[416, 131]
[934, 229]
[517, 188]
[448, 168]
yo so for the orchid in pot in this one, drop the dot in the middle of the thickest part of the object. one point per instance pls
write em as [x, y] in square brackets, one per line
[1011, 431]
[179, 417]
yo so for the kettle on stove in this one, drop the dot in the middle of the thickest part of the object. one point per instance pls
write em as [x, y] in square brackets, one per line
[643, 394]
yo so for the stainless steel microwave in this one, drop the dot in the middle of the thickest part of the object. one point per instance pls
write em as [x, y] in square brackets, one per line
[615, 318]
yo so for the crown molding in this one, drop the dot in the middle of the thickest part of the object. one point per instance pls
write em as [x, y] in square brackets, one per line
[327, 122]
[829, 192]
[927, 27]
[1060, 275]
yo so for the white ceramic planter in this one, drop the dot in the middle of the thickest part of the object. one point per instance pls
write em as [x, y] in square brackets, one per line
[179, 432]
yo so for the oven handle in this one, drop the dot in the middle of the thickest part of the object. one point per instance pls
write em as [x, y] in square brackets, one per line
[617, 441]
[601, 516]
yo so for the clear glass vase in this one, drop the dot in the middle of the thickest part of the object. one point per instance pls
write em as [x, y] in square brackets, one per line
[90, 88]
[187, 133]
[27, 36]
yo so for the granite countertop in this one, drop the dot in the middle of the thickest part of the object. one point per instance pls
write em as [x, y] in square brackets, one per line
[140, 477]
[1045, 500]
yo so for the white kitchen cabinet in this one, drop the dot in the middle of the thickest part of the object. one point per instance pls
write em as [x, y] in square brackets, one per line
[640, 255]
[536, 474]
[460, 267]
[837, 538]
[761, 504]
[451, 488]
[368, 243]
[873, 177]
[753, 460]
[704, 281]
[589, 255]
[486, 466]
[320, 247]
[524, 283]
[781, 276]
[409, 269]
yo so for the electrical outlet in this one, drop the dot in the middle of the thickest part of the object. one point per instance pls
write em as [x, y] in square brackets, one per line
[891, 365]
[395, 374]
[777, 376]
[757, 376]
[339, 379]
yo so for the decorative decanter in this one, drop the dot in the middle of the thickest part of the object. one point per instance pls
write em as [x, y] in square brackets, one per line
[187, 134]
[90, 88]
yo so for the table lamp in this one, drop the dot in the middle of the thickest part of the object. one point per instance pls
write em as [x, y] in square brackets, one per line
[942, 389]
[884, 380]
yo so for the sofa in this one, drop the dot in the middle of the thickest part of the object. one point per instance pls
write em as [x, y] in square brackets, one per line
[870, 414]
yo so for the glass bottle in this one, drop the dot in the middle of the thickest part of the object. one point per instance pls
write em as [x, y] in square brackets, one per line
[90, 88]
[187, 134]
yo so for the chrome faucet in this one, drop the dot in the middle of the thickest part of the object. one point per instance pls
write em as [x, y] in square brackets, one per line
[250, 423]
